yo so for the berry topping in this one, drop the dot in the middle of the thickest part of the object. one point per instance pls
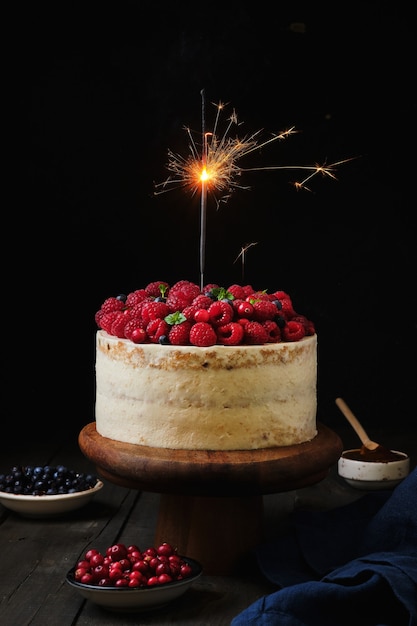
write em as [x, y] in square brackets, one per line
[203, 334]
[220, 313]
[293, 331]
[183, 315]
[255, 333]
[157, 289]
[230, 334]
[179, 334]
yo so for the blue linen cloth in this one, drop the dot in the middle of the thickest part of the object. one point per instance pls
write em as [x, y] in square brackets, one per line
[355, 565]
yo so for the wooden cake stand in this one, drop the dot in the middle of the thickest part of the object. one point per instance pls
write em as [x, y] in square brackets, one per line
[211, 501]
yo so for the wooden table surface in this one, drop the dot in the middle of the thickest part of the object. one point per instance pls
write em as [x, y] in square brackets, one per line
[37, 553]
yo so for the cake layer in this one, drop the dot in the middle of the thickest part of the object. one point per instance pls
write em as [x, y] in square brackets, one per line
[215, 398]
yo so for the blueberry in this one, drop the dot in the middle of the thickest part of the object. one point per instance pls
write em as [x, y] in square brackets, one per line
[41, 480]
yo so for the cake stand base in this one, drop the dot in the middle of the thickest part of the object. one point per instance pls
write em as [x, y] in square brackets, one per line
[211, 501]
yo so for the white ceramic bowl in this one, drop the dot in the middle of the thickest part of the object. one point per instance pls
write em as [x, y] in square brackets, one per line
[369, 474]
[139, 599]
[48, 506]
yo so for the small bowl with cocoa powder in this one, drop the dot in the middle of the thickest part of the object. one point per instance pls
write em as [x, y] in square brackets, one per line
[380, 468]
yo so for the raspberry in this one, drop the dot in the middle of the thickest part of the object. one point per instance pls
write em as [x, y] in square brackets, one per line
[136, 296]
[248, 289]
[112, 304]
[152, 310]
[293, 331]
[237, 291]
[264, 317]
[279, 295]
[264, 310]
[202, 301]
[203, 334]
[156, 329]
[119, 323]
[208, 289]
[131, 326]
[107, 320]
[287, 309]
[274, 333]
[97, 317]
[157, 288]
[220, 313]
[255, 333]
[190, 311]
[136, 310]
[308, 324]
[230, 334]
[179, 334]
[257, 295]
[182, 294]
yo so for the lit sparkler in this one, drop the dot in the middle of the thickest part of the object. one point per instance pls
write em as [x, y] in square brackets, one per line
[215, 167]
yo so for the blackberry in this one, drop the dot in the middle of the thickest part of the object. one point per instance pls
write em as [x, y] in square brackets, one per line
[40, 480]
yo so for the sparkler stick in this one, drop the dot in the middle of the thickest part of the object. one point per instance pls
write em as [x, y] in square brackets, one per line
[203, 202]
[216, 170]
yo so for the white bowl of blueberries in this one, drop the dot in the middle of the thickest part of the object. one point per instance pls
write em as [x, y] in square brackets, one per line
[46, 490]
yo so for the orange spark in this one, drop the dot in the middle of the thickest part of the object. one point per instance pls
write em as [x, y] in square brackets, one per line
[218, 163]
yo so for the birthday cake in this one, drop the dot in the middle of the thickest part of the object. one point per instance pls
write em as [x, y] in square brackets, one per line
[181, 367]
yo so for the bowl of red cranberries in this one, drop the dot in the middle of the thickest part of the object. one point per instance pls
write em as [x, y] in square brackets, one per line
[126, 578]
[46, 490]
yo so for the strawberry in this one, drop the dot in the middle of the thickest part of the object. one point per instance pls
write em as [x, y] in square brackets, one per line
[293, 331]
[230, 334]
[203, 334]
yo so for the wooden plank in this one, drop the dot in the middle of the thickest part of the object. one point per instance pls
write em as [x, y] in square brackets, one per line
[37, 553]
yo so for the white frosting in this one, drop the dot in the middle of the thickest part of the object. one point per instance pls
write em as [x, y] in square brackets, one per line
[216, 398]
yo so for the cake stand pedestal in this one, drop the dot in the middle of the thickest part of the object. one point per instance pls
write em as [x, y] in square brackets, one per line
[211, 501]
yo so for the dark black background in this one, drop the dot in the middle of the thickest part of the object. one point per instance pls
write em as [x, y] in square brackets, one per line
[112, 86]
